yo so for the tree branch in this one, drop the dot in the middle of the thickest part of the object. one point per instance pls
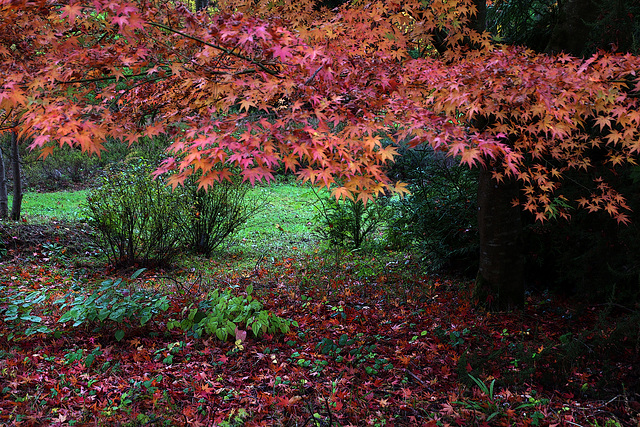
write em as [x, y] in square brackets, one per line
[101, 79]
[220, 48]
[313, 76]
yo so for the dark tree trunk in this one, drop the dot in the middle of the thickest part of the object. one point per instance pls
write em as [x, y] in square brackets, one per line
[16, 206]
[4, 198]
[500, 282]
[201, 4]
[480, 20]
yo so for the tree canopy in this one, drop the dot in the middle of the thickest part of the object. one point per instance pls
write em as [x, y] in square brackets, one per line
[327, 94]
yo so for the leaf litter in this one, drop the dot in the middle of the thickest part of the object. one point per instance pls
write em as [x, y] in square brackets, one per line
[377, 343]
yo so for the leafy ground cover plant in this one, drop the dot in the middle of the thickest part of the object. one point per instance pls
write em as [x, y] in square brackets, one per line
[118, 305]
[221, 314]
[115, 301]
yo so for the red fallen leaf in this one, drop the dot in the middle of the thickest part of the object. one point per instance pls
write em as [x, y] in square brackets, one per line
[406, 393]
[191, 416]
[223, 359]
[283, 401]
[447, 409]
[205, 390]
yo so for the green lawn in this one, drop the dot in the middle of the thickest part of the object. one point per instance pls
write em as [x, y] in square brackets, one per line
[284, 225]
[61, 204]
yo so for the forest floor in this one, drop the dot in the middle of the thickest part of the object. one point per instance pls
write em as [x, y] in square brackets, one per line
[375, 342]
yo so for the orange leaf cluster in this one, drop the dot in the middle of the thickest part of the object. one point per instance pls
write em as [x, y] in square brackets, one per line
[327, 94]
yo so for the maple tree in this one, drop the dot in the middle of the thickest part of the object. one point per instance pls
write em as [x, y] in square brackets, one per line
[327, 94]
[251, 86]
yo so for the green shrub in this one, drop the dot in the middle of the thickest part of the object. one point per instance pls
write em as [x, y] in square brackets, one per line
[141, 221]
[215, 214]
[221, 313]
[349, 222]
[137, 217]
[440, 215]
[70, 167]
[66, 166]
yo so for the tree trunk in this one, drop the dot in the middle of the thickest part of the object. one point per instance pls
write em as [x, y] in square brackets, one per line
[201, 4]
[16, 206]
[480, 21]
[4, 198]
[500, 282]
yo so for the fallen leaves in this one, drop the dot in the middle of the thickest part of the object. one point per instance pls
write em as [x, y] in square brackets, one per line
[373, 353]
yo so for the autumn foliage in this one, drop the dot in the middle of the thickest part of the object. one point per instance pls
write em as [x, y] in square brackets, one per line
[374, 342]
[327, 94]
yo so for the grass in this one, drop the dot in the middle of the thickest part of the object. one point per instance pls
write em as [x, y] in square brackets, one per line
[61, 204]
[285, 224]
[286, 227]
[287, 206]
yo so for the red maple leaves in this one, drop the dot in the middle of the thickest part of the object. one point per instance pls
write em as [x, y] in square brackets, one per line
[351, 86]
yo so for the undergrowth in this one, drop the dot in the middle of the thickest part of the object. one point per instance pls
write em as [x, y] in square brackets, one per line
[120, 306]
[284, 336]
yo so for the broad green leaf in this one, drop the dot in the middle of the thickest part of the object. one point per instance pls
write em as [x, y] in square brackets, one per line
[137, 273]
[221, 333]
[118, 315]
[30, 318]
[90, 359]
